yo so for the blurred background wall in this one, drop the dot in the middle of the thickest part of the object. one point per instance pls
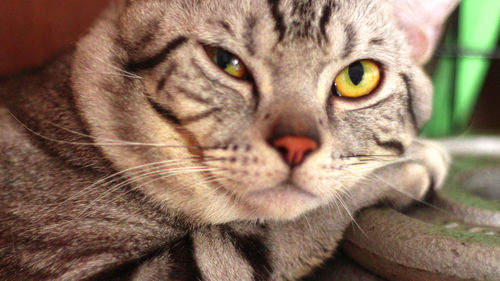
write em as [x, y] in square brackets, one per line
[486, 117]
[32, 31]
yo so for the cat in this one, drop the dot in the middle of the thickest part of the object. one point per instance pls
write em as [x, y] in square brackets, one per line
[215, 140]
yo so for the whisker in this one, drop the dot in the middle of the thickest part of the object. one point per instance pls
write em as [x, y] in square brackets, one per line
[108, 139]
[114, 74]
[110, 143]
[338, 198]
[150, 174]
[370, 156]
[165, 175]
[132, 75]
[379, 179]
[342, 203]
[107, 181]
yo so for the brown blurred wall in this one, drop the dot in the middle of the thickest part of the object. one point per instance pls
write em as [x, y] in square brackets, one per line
[31, 31]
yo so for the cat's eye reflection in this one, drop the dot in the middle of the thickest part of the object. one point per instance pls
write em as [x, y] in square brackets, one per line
[228, 62]
[359, 79]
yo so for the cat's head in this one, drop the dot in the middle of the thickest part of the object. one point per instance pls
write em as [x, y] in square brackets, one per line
[255, 109]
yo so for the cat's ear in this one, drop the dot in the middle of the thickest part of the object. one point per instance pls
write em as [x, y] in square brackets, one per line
[422, 21]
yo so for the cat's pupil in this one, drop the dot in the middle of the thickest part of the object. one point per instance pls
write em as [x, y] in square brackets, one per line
[356, 72]
[223, 58]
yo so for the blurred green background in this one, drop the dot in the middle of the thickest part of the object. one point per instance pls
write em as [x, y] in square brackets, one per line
[463, 73]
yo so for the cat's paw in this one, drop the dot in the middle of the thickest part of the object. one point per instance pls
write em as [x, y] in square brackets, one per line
[433, 157]
[423, 166]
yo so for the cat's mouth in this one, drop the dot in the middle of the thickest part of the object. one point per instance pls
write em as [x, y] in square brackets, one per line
[285, 200]
[286, 186]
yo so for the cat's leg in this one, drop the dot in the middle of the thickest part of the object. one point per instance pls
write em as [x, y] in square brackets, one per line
[303, 244]
[424, 165]
[209, 253]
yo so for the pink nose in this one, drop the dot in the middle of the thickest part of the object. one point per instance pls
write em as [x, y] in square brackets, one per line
[295, 148]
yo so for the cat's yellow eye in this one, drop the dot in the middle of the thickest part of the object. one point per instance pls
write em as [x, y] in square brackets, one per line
[358, 79]
[228, 62]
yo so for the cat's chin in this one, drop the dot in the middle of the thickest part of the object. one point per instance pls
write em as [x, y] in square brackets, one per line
[282, 202]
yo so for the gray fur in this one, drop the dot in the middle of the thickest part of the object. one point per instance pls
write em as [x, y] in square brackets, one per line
[133, 157]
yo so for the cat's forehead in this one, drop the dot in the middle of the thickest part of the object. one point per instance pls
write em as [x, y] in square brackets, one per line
[310, 31]
[295, 18]
[284, 22]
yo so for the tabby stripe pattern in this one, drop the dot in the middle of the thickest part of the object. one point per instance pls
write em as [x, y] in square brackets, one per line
[409, 90]
[198, 117]
[171, 117]
[253, 249]
[192, 96]
[152, 62]
[166, 113]
[215, 83]
[377, 41]
[226, 26]
[248, 35]
[184, 266]
[256, 97]
[325, 18]
[170, 70]
[350, 41]
[278, 18]
[395, 145]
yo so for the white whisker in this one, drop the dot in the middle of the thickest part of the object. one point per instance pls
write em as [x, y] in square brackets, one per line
[132, 75]
[110, 143]
[114, 74]
[376, 178]
[149, 174]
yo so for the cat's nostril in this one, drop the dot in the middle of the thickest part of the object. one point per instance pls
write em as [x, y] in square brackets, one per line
[294, 148]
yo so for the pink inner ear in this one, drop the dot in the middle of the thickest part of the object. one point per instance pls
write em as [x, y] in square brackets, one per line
[422, 21]
[420, 45]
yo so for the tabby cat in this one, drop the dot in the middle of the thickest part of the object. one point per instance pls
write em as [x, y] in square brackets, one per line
[216, 139]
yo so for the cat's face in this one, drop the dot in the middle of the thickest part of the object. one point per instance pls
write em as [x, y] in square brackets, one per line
[212, 135]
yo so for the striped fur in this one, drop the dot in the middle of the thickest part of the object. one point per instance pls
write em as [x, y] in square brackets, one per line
[133, 157]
